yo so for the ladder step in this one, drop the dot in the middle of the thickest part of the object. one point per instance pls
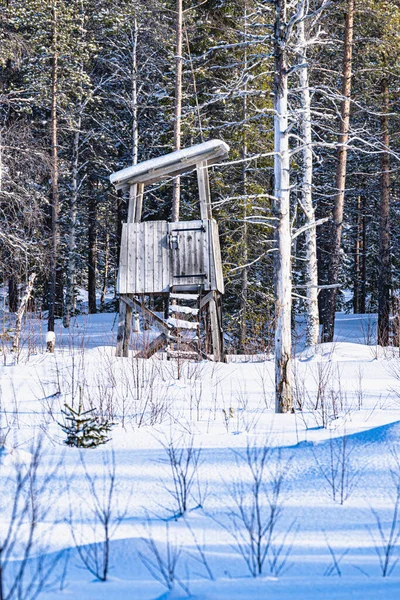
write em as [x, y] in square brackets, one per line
[186, 354]
[180, 324]
[183, 310]
[178, 296]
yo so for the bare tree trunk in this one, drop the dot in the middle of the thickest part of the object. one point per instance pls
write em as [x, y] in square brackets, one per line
[92, 235]
[106, 268]
[283, 282]
[244, 274]
[21, 311]
[384, 280]
[135, 124]
[71, 268]
[363, 275]
[312, 317]
[12, 294]
[176, 192]
[54, 171]
[328, 300]
[357, 252]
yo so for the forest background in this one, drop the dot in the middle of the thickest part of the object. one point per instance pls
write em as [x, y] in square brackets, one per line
[87, 88]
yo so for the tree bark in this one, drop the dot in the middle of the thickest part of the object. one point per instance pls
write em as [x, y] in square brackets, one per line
[54, 171]
[363, 273]
[71, 268]
[244, 274]
[357, 254]
[92, 255]
[384, 278]
[282, 263]
[135, 124]
[12, 294]
[21, 311]
[329, 296]
[176, 191]
[312, 316]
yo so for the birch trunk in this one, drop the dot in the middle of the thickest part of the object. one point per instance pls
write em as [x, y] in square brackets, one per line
[330, 295]
[176, 192]
[312, 318]
[20, 314]
[384, 279]
[283, 282]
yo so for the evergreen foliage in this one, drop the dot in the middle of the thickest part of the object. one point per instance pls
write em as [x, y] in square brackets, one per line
[83, 428]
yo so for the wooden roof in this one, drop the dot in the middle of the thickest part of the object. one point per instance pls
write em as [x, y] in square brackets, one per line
[171, 164]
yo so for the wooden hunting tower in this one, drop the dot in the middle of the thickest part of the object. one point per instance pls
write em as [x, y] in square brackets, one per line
[179, 261]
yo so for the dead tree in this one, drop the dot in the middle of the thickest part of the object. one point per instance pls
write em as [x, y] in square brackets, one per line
[21, 311]
[282, 262]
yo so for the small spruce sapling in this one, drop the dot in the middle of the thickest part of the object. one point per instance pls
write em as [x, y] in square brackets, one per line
[83, 428]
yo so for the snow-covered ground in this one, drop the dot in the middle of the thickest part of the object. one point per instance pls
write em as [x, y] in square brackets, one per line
[328, 474]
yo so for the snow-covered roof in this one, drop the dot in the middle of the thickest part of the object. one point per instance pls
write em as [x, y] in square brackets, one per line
[170, 164]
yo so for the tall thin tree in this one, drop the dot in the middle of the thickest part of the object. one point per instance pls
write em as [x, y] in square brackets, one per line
[55, 195]
[282, 262]
[384, 279]
[329, 297]
[176, 193]
[306, 202]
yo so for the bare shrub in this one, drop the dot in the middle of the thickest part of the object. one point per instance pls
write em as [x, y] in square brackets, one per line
[101, 498]
[26, 568]
[338, 468]
[200, 557]
[266, 384]
[162, 559]
[258, 507]
[386, 538]
[183, 459]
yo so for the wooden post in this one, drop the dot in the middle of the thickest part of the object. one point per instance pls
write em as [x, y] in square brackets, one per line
[215, 329]
[132, 203]
[121, 328]
[125, 309]
[139, 203]
[204, 190]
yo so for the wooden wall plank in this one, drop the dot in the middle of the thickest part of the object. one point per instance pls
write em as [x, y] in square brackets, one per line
[147, 262]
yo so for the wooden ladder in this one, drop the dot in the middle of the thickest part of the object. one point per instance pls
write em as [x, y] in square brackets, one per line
[184, 318]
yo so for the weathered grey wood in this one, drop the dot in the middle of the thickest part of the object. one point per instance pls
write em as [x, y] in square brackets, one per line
[139, 202]
[132, 202]
[157, 344]
[160, 258]
[123, 261]
[121, 327]
[148, 314]
[144, 262]
[170, 165]
[205, 300]
[217, 278]
[188, 259]
[204, 190]
[215, 330]
[150, 264]
[127, 331]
